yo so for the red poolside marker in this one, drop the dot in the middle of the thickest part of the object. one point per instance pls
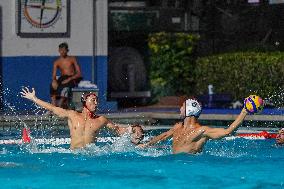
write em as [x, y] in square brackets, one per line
[26, 136]
[264, 134]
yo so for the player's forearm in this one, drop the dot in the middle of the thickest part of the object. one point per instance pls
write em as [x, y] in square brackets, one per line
[43, 104]
[156, 139]
[237, 122]
[56, 110]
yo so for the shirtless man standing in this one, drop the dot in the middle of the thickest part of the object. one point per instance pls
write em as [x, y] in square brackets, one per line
[70, 76]
[84, 126]
[190, 136]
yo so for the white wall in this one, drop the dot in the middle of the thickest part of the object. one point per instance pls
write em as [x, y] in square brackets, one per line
[101, 25]
[80, 41]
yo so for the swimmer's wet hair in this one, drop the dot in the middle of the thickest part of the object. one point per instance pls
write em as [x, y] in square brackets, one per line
[63, 45]
[138, 125]
[143, 133]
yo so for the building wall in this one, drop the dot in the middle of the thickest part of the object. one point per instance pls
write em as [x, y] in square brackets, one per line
[29, 61]
[101, 50]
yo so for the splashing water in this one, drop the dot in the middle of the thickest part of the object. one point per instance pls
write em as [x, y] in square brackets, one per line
[119, 145]
[275, 99]
[9, 164]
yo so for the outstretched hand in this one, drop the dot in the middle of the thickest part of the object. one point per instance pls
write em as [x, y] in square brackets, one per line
[26, 93]
[141, 145]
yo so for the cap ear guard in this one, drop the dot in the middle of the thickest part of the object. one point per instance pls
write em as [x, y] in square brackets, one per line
[83, 100]
[85, 96]
[192, 108]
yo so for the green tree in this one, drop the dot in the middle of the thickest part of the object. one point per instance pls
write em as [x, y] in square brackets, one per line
[172, 63]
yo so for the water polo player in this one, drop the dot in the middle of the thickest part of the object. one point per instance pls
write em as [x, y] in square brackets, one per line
[280, 137]
[84, 126]
[136, 134]
[189, 136]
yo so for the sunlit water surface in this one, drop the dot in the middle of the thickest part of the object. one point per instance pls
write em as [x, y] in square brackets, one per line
[237, 163]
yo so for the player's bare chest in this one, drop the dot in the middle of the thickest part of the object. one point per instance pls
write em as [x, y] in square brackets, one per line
[87, 124]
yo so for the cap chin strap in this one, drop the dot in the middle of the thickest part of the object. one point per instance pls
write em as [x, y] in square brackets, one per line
[91, 114]
[192, 108]
[183, 118]
[185, 115]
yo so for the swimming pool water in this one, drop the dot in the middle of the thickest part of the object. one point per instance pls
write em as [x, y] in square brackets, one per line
[237, 163]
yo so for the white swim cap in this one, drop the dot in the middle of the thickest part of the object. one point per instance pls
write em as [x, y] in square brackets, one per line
[192, 108]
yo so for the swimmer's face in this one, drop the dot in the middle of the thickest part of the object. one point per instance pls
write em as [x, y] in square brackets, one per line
[280, 137]
[137, 134]
[182, 110]
[92, 103]
[63, 52]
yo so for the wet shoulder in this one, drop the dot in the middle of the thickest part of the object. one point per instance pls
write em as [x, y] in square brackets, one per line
[73, 113]
[178, 125]
[203, 129]
[101, 118]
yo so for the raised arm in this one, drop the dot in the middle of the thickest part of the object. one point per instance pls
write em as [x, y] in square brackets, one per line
[31, 96]
[216, 133]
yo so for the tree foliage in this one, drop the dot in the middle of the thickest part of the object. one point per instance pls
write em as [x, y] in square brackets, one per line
[172, 63]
